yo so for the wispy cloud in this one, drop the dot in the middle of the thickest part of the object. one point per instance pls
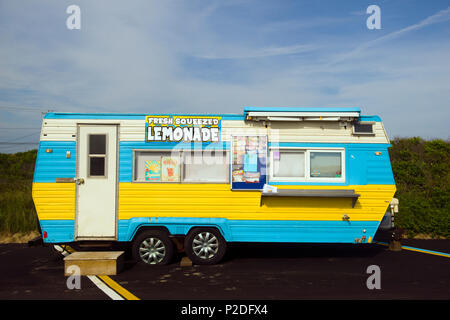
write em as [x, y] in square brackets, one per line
[193, 57]
[441, 16]
[239, 53]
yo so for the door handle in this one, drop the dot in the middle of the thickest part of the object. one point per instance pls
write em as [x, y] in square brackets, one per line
[79, 181]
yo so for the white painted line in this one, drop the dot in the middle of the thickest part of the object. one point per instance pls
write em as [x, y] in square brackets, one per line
[107, 290]
[100, 284]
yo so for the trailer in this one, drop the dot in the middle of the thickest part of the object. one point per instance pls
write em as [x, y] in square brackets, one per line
[311, 175]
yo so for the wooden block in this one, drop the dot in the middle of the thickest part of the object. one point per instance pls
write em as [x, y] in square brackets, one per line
[95, 262]
[395, 245]
[185, 262]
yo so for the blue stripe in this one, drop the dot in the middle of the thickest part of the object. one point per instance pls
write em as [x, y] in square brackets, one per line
[58, 231]
[370, 118]
[420, 250]
[55, 164]
[259, 230]
[362, 165]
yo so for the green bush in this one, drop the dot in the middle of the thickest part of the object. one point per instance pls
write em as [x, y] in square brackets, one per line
[421, 171]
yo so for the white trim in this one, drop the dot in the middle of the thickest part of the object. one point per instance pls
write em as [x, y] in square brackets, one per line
[318, 179]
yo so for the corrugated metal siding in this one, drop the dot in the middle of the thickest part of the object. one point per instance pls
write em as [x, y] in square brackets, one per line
[66, 129]
[54, 201]
[218, 201]
[134, 130]
[58, 231]
[55, 164]
[324, 132]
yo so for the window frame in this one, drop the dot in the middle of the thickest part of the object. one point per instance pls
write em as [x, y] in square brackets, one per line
[372, 123]
[326, 179]
[307, 177]
[286, 179]
[97, 155]
[181, 159]
[226, 157]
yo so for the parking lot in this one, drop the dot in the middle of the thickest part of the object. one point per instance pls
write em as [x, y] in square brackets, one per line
[249, 271]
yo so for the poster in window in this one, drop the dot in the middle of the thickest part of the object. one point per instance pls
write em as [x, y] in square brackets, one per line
[249, 162]
[170, 171]
[153, 170]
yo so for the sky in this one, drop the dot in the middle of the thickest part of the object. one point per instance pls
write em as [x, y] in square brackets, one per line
[205, 56]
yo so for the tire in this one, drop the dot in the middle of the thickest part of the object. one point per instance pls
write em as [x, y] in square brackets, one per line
[205, 246]
[152, 247]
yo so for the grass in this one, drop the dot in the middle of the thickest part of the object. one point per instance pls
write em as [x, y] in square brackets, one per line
[17, 212]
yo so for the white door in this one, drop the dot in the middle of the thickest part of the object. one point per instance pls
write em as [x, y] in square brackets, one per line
[96, 182]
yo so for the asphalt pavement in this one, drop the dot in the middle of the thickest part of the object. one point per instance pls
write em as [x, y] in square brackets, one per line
[249, 271]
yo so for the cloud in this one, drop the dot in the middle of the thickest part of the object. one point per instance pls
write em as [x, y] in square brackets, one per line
[259, 52]
[167, 56]
[441, 16]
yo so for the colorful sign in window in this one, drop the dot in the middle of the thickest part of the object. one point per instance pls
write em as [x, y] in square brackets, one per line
[249, 155]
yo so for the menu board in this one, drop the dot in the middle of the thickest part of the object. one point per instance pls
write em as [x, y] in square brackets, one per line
[249, 155]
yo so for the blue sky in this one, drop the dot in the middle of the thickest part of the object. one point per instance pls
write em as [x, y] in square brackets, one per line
[219, 56]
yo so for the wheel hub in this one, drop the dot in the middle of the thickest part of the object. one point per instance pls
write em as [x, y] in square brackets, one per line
[205, 245]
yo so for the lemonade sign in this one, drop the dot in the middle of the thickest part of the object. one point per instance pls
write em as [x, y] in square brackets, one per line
[182, 128]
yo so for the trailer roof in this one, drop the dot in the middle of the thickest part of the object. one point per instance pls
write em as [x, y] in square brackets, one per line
[302, 109]
[279, 110]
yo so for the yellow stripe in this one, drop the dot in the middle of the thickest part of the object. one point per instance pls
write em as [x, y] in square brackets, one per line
[118, 288]
[422, 251]
[57, 201]
[446, 255]
[218, 201]
[54, 201]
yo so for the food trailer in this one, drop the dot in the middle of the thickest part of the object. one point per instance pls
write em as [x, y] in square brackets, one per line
[313, 175]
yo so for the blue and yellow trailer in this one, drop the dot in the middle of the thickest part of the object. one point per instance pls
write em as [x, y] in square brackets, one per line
[315, 175]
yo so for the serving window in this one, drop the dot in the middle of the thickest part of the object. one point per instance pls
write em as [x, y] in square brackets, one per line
[288, 164]
[307, 165]
[325, 164]
[202, 166]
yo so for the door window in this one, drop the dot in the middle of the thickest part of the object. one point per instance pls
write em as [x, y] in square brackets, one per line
[97, 155]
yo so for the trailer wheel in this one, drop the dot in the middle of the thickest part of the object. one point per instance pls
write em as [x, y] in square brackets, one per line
[205, 246]
[152, 247]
